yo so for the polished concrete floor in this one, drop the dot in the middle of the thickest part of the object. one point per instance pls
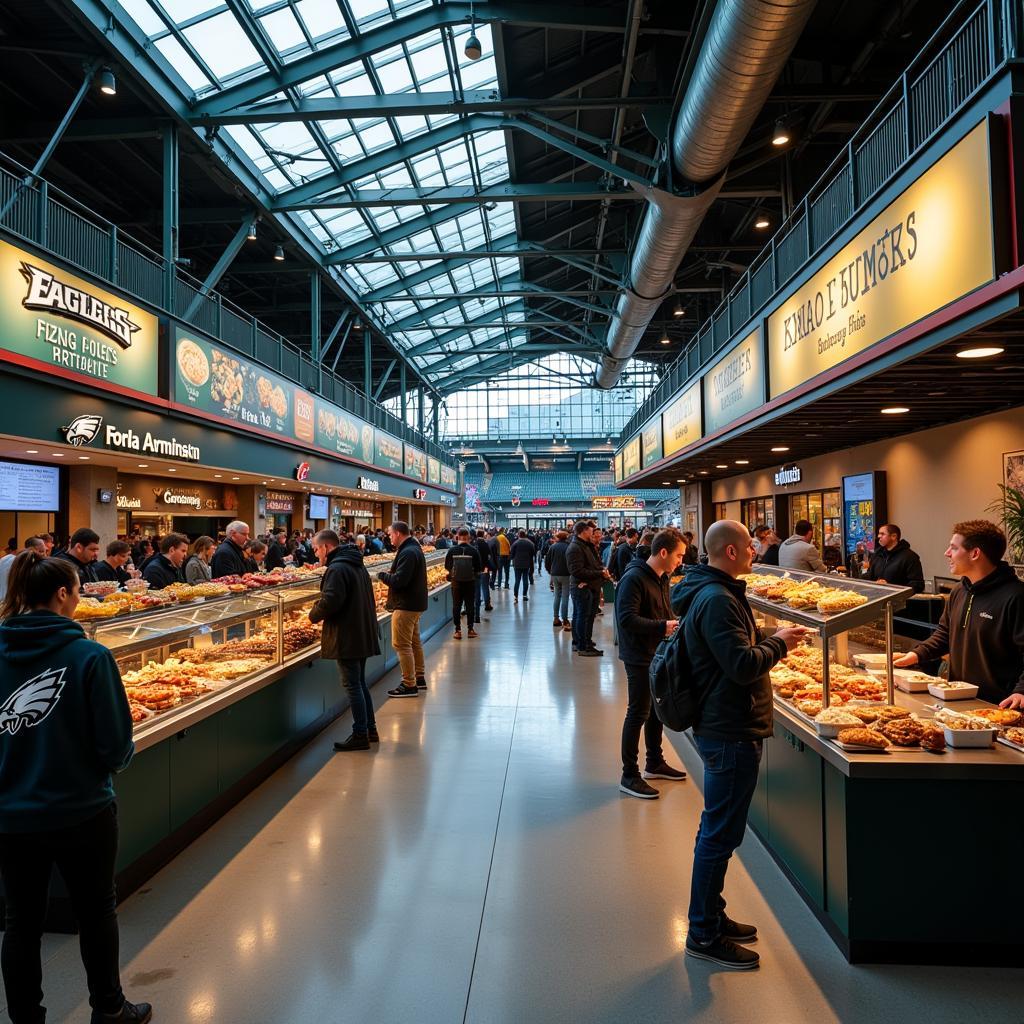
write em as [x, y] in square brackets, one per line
[481, 866]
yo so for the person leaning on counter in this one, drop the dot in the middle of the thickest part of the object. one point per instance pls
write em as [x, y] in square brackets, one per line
[982, 626]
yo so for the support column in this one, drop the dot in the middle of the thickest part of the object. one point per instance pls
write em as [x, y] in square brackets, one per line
[437, 419]
[170, 212]
[314, 316]
[401, 385]
[367, 367]
[421, 398]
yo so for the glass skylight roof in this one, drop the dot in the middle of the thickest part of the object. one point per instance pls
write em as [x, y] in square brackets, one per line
[215, 46]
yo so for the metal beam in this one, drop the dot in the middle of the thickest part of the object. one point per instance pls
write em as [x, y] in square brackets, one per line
[518, 290]
[97, 129]
[219, 268]
[334, 333]
[367, 362]
[314, 317]
[384, 379]
[521, 250]
[474, 101]
[392, 235]
[403, 399]
[170, 230]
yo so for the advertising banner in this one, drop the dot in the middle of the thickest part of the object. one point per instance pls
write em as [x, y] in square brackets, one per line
[74, 327]
[339, 431]
[387, 452]
[616, 501]
[449, 477]
[652, 447]
[415, 463]
[631, 458]
[927, 248]
[681, 420]
[734, 386]
[433, 471]
[618, 467]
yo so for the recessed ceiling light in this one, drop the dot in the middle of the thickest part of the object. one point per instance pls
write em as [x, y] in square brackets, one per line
[721, 465]
[683, 481]
[234, 478]
[668, 483]
[264, 481]
[743, 462]
[31, 451]
[172, 470]
[936, 394]
[143, 465]
[780, 448]
[894, 410]
[57, 455]
[84, 458]
[217, 476]
[703, 472]
[980, 353]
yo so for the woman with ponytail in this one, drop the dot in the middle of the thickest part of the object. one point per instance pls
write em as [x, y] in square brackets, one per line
[65, 727]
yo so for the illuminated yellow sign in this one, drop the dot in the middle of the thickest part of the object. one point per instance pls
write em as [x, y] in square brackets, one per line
[927, 248]
[681, 420]
[734, 386]
[618, 467]
[652, 442]
[616, 501]
[631, 458]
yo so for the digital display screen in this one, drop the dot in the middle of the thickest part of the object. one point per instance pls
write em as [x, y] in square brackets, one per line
[319, 506]
[28, 488]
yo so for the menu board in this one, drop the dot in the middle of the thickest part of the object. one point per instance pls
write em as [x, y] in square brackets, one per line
[681, 420]
[734, 386]
[433, 471]
[72, 326]
[863, 496]
[618, 467]
[213, 379]
[652, 447]
[339, 431]
[27, 488]
[415, 463]
[387, 452]
[631, 458]
[616, 501]
[449, 477]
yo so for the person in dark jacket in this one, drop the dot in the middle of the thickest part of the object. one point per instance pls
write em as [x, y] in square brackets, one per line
[982, 625]
[586, 576]
[690, 554]
[522, 554]
[487, 567]
[65, 726]
[768, 545]
[894, 562]
[407, 599]
[82, 551]
[166, 569]
[558, 575]
[462, 563]
[112, 568]
[624, 553]
[229, 559]
[347, 609]
[730, 660]
[278, 551]
[644, 617]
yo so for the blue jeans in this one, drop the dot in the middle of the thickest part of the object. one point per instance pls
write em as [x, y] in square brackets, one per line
[353, 677]
[583, 604]
[504, 564]
[730, 775]
[560, 585]
[483, 592]
[522, 574]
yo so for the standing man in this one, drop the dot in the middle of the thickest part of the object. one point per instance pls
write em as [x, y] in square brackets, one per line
[462, 563]
[558, 573]
[644, 617]
[799, 552]
[112, 568]
[407, 600]
[894, 562]
[982, 625]
[487, 567]
[586, 576]
[522, 553]
[82, 551]
[229, 559]
[730, 660]
[504, 556]
[690, 553]
[278, 551]
[347, 610]
[767, 545]
[165, 568]
[624, 553]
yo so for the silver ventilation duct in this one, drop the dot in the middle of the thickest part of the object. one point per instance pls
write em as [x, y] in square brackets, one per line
[745, 49]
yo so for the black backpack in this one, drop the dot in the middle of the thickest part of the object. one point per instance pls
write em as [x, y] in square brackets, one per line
[462, 569]
[674, 692]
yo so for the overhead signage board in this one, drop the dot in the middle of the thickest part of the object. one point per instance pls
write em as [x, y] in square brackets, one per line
[339, 431]
[28, 488]
[681, 422]
[788, 475]
[89, 427]
[631, 458]
[415, 463]
[433, 471]
[449, 477]
[74, 328]
[618, 467]
[387, 452]
[734, 386]
[652, 447]
[616, 501]
[929, 247]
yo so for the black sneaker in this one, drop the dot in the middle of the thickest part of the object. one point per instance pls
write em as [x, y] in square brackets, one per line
[130, 1013]
[596, 650]
[588, 654]
[404, 691]
[373, 736]
[666, 771]
[357, 741]
[723, 952]
[421, 683]
[736, 932]
[632, 786]
[525, 598]
[489, 608]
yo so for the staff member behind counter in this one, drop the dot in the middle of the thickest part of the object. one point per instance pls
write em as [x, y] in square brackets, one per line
[982, 626]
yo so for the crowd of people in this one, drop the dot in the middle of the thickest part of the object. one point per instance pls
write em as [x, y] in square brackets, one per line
[66, 728]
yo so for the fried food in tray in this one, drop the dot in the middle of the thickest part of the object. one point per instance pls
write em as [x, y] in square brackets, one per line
[838, 716]
[890, 712]
[863, 738]
[958, 720]
[138, 712]
[933, 740]
[1002, 717]
[866, 715]
[836, 601]
[89, 609]
[904, 732]
[1014, 735]
[154, 696]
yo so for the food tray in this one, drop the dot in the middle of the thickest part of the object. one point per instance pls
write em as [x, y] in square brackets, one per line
[969, 737]
[965, 692]
[856, 748]
[871, 661]
[1009, 743]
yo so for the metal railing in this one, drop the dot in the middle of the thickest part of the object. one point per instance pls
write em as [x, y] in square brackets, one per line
[970, 46]
[35, 210]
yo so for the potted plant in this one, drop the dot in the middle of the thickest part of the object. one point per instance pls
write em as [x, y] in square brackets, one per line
[1010, 508]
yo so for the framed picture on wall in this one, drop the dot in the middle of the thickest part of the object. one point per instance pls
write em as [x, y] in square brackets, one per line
[1013, 470]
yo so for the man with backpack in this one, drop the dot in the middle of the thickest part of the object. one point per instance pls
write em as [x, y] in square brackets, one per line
[728, 659]
[644, 617]
[463, 565]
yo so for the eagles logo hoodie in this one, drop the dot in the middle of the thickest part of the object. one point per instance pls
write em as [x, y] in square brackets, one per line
[64, 724]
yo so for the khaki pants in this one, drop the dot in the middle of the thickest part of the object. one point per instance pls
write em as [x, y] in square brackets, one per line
[405, 638]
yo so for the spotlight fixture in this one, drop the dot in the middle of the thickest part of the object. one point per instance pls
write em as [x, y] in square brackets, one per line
[473, 48]
[780, 448]
[107, 82]
[679, 309]
[780, 133]
[721, 465]
[761, 222]
[665, 340]
[251, 235]
[980, 353]
[895, 410]
[279, 253]
[743, 462]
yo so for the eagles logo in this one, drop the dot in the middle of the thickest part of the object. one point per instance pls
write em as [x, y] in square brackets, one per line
[32, 702]
[82, 429]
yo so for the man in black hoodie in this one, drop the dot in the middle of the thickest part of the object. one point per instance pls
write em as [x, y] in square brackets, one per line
[350, 633]
[165, 568]
[894, 562]
[462, 563]
[407, 599]
[522, 554]
[982, 626]
[645, 618]
[729, 660]
[586, 576]
[487, 567]
[230, 559]
[624, 553]
[82, 551]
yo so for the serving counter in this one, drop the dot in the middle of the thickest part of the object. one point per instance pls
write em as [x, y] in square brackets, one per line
[904, 855]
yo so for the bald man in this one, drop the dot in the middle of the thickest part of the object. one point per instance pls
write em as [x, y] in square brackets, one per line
[730, 659]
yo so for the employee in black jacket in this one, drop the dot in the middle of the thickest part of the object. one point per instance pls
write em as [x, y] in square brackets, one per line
[348, 612]
[462, 563]
[644, 617]
[586, 576]
[522, 553]
[82, 551]
[278, 551]
[407, 598]
[112, 568]
[230, 559]
[894, 562]
[558, 573]
[982, 626]
[487, 567]
[730, 660]
[65, 727]
[165, 568]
